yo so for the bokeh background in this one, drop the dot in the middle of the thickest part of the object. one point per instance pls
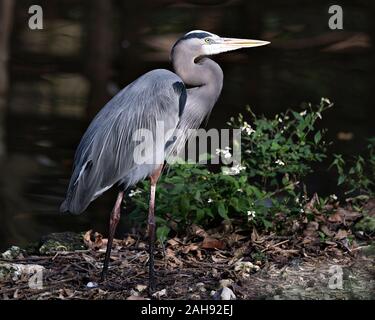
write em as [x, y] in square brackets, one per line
[53, 81]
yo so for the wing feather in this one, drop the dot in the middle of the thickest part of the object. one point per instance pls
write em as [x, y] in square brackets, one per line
[104, 156]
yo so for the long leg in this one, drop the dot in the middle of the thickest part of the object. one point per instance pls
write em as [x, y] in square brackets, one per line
[151, 228]
[113, 222]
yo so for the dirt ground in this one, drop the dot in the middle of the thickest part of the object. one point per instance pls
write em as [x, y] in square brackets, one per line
[190, 272]
[328, 256]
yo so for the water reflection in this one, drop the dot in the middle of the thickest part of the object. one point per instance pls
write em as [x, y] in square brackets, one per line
[61, 76]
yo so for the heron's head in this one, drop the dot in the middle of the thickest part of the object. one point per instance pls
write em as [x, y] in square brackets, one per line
[203, 43]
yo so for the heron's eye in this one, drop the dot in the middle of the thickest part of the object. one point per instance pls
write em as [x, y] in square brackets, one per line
[208, 40]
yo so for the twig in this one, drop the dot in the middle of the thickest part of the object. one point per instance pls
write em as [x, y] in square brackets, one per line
[275, 245]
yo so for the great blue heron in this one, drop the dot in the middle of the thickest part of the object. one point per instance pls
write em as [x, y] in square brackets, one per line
[181, 100]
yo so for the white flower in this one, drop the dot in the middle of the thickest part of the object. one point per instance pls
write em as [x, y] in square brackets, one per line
[210, 200]
[248, 151]
[280, 120]
[326, 100]
[239, 190]
[333, 197]
[250, 215]
[247, 128]
[226, 153]
[236, 169]
[132, 193]
[279, 162]
[301, 210]
[303, 113]
[297, 200]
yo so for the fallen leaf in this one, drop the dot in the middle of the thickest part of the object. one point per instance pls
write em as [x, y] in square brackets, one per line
[212, 243]
[198, 231]
[310, 233]
[326, 231]
[336, 218]
[343, 215]
[94, 240]
[129, 241]
[172, 259]
[142, 245]
[218, 259]
[173, 242]
[190, 247]
[341, 234]
[310, 206]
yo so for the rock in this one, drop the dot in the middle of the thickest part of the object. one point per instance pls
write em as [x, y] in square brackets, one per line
[160, 294]
[16, 270]
[134, 293]
[224, 294]
[201, 287]
[92, 285]
[245, 267]
[12, 253]
[140, 287]
[226, 283]
[60, 242]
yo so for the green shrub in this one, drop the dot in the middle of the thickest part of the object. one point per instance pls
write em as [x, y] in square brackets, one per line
[357, 175]
[282, 150]
[276, 154]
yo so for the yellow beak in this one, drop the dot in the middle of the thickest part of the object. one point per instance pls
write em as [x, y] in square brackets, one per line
[243, 43]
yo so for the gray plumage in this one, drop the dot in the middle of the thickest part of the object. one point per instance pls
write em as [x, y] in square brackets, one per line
[105, 154]
[182, 100]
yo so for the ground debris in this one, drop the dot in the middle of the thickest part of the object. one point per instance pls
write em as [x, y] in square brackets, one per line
[306, 263]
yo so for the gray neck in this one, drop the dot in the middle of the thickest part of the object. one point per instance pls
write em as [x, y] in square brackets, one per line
[204, 76]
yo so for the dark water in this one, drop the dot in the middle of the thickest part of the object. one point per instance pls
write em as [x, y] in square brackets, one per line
[60, 76]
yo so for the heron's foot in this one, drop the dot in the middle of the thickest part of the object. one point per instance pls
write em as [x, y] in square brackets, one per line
[151, 289]
[151, 284]
[103, 275]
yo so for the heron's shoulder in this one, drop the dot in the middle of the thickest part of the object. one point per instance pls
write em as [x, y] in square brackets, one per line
[161, 76]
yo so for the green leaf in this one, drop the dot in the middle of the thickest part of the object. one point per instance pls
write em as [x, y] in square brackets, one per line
[162, 233]
[267, 224]
[317, 137]
[200, 215]
[197, 195]
[223, 212]
[341, 180]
